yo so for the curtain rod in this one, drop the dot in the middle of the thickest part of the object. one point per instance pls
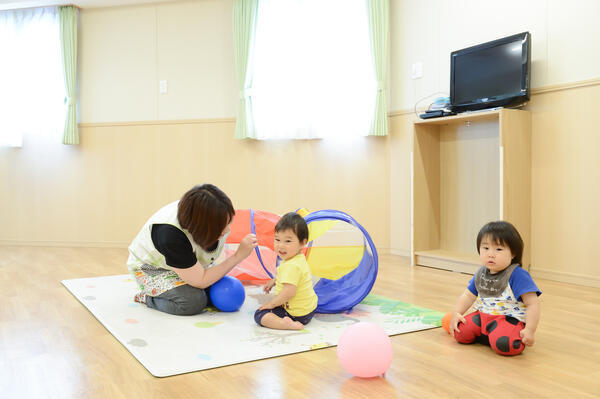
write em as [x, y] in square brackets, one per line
[50, 5]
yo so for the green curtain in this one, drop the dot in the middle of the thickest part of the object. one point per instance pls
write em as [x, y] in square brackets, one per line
[244, 25]
[67, 17]
[378, 14]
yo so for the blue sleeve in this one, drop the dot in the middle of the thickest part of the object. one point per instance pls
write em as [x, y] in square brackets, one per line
[521, 283]
[471, 286]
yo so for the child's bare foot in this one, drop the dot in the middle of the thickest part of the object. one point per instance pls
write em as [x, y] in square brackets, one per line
[291, 324]
[271, 320]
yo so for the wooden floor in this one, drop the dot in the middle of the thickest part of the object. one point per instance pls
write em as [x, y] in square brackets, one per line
[52, 347]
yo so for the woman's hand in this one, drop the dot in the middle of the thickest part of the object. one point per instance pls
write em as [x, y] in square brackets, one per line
[267, 287]
[246, 246]
[197, 276]
[456, 317]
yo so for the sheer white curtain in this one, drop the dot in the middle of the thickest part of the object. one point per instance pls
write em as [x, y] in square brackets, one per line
[32, 90]
[313, 74]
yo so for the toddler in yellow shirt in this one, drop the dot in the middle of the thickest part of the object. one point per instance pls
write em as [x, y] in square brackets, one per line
[295, 300]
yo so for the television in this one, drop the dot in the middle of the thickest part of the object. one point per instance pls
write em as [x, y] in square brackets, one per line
[491, 74]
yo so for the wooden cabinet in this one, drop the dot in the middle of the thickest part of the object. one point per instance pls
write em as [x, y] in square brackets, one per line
[468, 170]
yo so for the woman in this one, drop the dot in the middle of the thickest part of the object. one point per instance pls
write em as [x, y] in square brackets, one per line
[173, 256]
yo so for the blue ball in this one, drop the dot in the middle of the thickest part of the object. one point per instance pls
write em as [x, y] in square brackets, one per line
[227, 294]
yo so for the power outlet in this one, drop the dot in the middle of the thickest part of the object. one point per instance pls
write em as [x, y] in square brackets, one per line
[417, 70]
[162, 87]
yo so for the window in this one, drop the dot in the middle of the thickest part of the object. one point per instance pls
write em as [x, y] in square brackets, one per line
[312, 69]
[32, 89]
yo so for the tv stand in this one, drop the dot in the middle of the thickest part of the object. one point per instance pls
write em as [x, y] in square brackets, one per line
[467, 170]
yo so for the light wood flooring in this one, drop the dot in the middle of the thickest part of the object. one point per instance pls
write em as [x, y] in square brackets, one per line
[52, 347]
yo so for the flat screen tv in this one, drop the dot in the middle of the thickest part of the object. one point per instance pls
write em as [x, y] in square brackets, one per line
[492, 74]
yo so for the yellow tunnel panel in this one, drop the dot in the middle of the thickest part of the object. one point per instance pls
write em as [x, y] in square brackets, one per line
[317, 229]
[334, 262]
[303, 212]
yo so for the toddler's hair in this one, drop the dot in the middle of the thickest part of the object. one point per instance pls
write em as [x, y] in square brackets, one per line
[205, 211]
[503, 233]
[296, 223]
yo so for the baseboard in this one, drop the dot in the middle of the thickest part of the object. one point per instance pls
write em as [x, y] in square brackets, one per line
[400, 252]
[90, 244]
[571, 278]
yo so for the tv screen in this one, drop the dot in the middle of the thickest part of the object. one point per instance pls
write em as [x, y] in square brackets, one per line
[492, 74]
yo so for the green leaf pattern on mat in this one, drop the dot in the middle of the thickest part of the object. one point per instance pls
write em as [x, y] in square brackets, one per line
[409, 312]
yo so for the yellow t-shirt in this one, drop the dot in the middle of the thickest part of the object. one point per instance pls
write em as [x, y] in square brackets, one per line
[295, 271]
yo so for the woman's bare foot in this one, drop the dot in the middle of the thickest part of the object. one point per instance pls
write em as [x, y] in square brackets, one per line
[291, 324]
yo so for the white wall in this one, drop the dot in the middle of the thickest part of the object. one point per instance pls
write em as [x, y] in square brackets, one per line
[125, 51]
[565, 36]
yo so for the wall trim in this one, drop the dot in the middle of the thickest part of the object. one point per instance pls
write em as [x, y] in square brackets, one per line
[534, 91]
[563, 277]
[401, 112]
[566, 86]
[160, 122]
[88, 244]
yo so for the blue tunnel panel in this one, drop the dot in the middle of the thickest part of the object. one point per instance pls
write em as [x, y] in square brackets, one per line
[343, 294]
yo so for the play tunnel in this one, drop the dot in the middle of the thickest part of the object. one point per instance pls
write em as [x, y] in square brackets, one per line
[340, 253]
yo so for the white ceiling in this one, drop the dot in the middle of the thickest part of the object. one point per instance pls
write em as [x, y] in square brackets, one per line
[12, 4]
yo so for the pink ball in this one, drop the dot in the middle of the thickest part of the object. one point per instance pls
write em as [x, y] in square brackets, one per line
[365, 350]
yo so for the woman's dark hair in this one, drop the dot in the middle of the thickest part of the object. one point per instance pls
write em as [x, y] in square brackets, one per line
[205, 211]
[503, 233]
[296, 223]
